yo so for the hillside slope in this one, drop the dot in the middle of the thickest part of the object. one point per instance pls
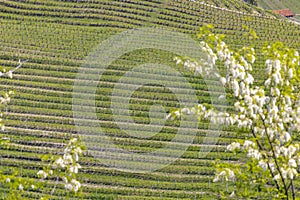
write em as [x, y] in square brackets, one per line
[293, 5]
[57, 35]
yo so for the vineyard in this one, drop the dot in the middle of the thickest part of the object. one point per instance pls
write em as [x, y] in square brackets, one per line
[293, 5]
[56, 36]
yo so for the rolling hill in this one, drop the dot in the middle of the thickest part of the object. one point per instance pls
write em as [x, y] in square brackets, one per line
[293, 5]
[56, 36]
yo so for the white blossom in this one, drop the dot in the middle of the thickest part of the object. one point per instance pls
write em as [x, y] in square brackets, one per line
[177, 113]
[65, 180]
[277, 177]
[290, 73]
[76, 185]
[42, 174]
[248, 144]
[67, 158]
[233, 146]
[263, 164]
[226, 174]
[10, 74]
[285, 137]
[270, 112]
[74, 168]
[69, 186]
[223, 80]
[292, 163]
[73, 140]
[253, 153]
[60, 162]
[21, 187]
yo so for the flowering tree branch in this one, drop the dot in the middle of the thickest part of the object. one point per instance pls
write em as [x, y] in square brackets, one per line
[11, 179]
[10, 72]
[271, 112]
[64, 167]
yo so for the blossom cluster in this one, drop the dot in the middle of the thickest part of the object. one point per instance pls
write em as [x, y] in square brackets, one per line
[16, 183]
[64, 167]
[6, 97]
[226, 174]
[67, 163]
[271, 112]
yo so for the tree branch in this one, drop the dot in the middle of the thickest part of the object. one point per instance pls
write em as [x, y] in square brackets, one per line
[15, 69]
[293, 190]
[56, 183]
[269, 167]
[276, 163]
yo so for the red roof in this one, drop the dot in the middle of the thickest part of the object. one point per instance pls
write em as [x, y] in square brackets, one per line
[285, 12]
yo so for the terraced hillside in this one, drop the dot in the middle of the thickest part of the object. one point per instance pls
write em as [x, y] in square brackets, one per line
[293, 5]
[57, 35]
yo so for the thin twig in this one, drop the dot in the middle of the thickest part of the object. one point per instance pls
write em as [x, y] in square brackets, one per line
[276, 163]
[56, 183]
[268, 164]
[293, 190]
[15, 69]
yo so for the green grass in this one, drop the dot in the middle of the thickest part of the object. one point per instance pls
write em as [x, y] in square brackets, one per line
[56, 36]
